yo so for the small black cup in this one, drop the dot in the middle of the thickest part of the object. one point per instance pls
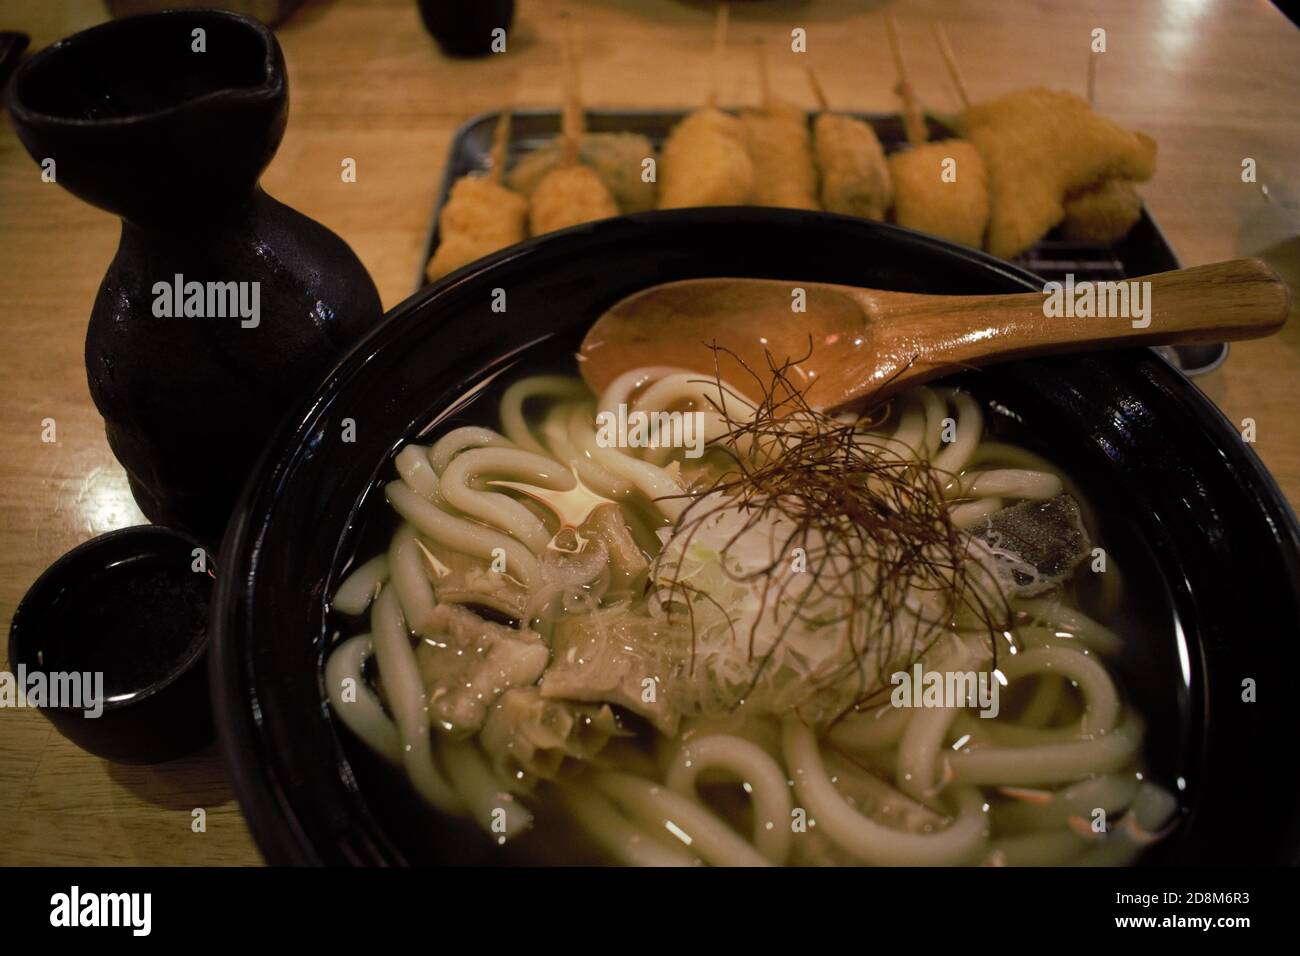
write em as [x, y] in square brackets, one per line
[464, 27]
[110, 645]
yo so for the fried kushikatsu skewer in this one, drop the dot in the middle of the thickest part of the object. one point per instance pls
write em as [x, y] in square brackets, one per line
[1052, 159]
[705, 160]
[1041, 147]
[1106, 211]
[616, 157]
[941, 188]
[855, 175]
[571, 193]
[480, 215]
[1102, 213]
[776, 135]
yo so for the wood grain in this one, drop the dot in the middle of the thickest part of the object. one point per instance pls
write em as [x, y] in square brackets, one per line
[873, 344]
[1214, 83]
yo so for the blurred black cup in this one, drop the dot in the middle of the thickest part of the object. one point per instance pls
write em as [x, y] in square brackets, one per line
[467, 27]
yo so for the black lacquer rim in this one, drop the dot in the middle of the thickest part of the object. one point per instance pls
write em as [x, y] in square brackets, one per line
[266, 798]
[272, 85]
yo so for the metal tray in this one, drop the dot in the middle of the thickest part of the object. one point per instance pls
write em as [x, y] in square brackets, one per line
[1143, 251]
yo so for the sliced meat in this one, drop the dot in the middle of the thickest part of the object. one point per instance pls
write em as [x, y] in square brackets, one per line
[462, 579]
[467, 663]
[627, 565]
[525, 733]
[615, 657]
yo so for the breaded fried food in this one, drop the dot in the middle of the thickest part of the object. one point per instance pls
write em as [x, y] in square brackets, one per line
[570, 193]
[1040, 146]
[855, 177]
[479, 217]
[615, 157]
[705, 162]
[780, 148]
[1102, 213]
[455, 251]
[957, 210]
[566, 196]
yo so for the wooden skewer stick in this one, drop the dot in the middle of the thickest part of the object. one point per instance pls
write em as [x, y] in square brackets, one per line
[1092, 78]
[719, 54]
[950, 61]
[500, 139]
[497, 155]
[571, 118]
[913, 120]
[818, 93]
[764, 81]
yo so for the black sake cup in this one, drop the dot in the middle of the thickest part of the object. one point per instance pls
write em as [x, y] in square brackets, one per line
[464, 28]
[131, 607]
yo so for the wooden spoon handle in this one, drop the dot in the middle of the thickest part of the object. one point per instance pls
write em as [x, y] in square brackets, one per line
[1239, 299]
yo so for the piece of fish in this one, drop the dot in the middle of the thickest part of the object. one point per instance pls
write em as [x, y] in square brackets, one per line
[1036, 544]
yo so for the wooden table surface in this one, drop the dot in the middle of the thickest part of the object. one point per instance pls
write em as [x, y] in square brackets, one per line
[1214, 81]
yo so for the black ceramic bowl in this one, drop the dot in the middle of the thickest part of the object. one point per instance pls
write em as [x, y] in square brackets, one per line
[1210, 549]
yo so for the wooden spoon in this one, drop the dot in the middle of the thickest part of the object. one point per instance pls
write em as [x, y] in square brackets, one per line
[852, 344]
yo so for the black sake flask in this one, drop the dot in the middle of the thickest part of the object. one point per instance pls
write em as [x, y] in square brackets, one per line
[222, 306]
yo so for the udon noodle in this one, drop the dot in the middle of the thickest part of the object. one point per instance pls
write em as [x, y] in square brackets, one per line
[784, 650]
